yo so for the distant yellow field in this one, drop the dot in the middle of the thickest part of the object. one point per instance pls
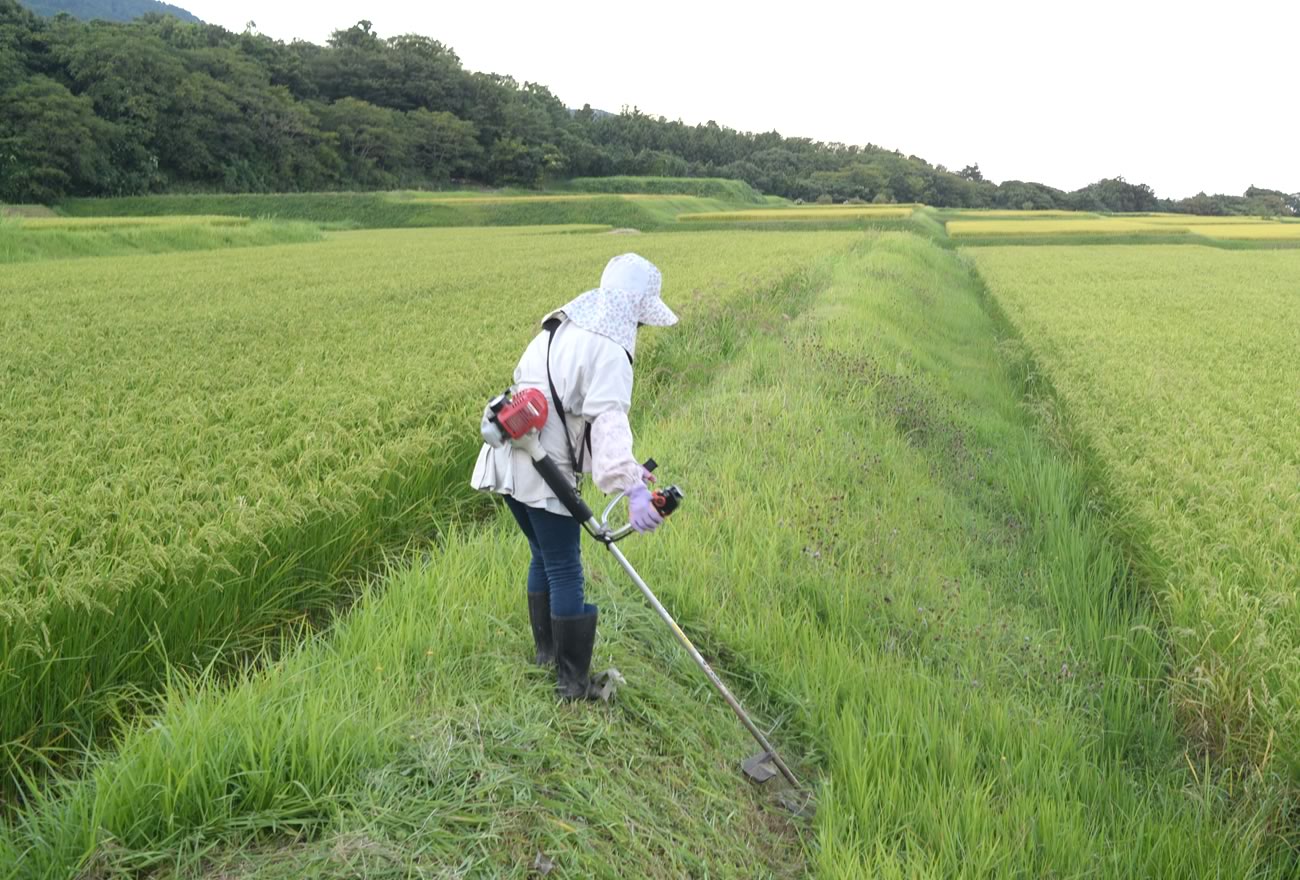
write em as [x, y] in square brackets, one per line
[1023, 215]
[1136, 224]
[1086, 225]
[805, 212]
[1271, 231]
[1198, 220]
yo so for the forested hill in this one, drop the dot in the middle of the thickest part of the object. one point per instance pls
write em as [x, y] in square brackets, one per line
[108, 10]
[156, 104]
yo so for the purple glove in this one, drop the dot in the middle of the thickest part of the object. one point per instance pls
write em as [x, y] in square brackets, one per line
[644, 516]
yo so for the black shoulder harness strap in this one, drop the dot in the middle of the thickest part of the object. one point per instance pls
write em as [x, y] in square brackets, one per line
[575, 461]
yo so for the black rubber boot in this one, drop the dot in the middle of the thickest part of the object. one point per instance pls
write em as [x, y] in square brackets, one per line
[574, 639]
[539, 615]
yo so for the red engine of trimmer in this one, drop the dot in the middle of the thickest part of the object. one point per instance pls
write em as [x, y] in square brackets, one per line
[514, 415]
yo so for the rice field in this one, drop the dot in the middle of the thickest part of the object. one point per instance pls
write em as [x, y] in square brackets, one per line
[1202, 220]
[1180, 366]
[197, 448]
[973, 225]
[1044, 214]
[904, 578]
[254, 624]
[1053, 226]
[803, 213]
[1250, 231]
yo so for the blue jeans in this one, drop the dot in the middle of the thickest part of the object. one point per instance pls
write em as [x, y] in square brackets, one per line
[557, 557]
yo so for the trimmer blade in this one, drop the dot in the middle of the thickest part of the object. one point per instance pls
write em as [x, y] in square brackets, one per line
[759, 768]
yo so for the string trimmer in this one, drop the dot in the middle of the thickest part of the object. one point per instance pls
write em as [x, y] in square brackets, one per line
[517, 419]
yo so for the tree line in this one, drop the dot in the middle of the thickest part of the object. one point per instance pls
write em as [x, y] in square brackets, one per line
[160, 105]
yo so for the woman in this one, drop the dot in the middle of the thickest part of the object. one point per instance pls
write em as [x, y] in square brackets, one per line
[582, 360]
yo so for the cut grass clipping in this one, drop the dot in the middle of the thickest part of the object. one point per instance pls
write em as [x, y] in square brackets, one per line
[919, 598]
[198, 448]
[1180, 365]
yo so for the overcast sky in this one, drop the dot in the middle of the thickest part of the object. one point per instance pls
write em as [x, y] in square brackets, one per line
[1184, 96]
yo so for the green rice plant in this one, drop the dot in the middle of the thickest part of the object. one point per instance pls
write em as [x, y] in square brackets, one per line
[902, 574]
[1179, 365]
[198, 448]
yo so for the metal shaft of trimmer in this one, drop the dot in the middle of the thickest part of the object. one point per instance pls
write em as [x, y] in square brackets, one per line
[704, 665]
[565, 491]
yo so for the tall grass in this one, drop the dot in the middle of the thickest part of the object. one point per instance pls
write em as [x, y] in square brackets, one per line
[416, 741]
[222, 441]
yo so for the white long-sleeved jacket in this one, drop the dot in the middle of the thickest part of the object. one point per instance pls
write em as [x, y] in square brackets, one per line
[593, 376]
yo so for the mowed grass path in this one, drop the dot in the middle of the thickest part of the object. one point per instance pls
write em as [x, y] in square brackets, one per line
[903, 576]
[1182, 366]
[199, 447]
